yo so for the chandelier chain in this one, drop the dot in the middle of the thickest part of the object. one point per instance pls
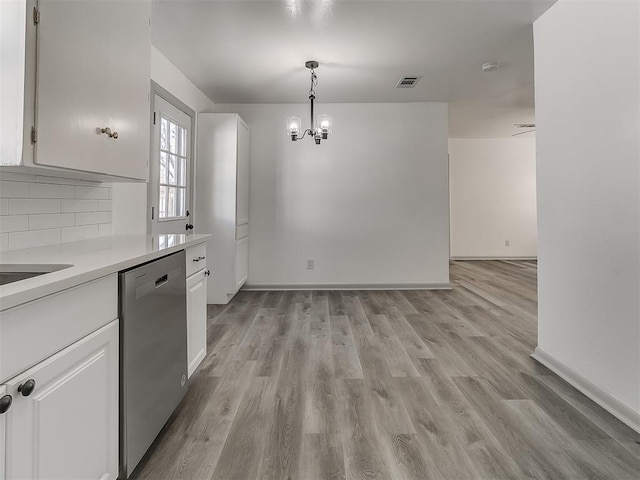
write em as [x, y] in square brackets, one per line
[314, 82]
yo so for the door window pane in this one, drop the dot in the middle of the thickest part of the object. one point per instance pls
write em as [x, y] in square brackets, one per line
[181, 202]
[163, 168]
[183, 142]
[173, 137]
[171, 202]
[182, 171]
[164, 127]
[162, 202]
[173, 170]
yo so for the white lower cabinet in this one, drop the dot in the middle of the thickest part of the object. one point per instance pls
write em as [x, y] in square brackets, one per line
[196, 319]
[63, 422]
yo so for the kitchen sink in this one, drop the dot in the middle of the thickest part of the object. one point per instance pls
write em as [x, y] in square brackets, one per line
[10, 273]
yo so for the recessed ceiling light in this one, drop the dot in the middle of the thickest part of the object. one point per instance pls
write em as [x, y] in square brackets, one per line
[489, 66]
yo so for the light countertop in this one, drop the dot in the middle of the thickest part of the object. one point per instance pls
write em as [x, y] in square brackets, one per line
[91, 259]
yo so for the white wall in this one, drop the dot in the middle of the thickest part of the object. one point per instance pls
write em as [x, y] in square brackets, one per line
[130, 199]
[167, 75]
[588, 147]
[370, 204]
[493, 197]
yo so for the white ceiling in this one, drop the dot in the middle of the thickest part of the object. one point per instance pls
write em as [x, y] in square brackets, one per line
[254, 51]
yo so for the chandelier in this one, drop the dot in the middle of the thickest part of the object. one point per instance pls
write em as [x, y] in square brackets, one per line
[319, 130]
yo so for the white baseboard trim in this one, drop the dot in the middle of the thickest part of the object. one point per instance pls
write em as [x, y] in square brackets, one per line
[607, 401]
[493, 258]
[253, 287]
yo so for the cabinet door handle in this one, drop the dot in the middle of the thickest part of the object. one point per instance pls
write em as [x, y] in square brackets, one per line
[107, 131]
[27, 387]
[5, 403]
[198, 259]
[207, 273]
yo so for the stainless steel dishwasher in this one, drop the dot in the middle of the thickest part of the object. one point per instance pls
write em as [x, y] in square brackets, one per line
[153, 352]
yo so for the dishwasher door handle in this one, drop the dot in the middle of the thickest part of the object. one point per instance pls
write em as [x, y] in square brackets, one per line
[162, 280]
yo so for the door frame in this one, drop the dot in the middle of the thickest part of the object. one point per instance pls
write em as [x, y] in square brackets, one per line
[180, 105]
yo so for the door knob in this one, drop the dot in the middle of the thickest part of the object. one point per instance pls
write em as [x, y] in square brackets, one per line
[189, 226]
[5, 403]
[27, 387]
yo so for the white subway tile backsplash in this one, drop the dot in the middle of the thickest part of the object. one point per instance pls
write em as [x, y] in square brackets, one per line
[40, 210]
[79, 205]
[48, 190]
[93, 192]
[33, 238]
[19, 206]
[83, 232]
[105, 205]
[105, 229]
[11, 189]
[51, 220]
[93, 218]
[14, 223]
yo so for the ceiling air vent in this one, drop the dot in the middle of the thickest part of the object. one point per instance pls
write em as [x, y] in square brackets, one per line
[408, 82]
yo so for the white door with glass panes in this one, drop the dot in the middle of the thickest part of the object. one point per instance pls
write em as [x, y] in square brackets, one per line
[171, 170]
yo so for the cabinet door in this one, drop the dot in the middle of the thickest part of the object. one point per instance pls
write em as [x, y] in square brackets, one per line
[129, 84]
[67, 427]
[3, 392]
[12, 65]
[196, 319]
[242, 262]
[88, 80]
[242, 178]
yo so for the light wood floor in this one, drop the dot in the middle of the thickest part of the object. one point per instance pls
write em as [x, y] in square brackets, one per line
[388, 385]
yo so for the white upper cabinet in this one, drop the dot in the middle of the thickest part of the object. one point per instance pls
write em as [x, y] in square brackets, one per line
[12, 61]
[87, 84]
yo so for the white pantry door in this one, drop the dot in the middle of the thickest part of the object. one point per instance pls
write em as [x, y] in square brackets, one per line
[171, 167]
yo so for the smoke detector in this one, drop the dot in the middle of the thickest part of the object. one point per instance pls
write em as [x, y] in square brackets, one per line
[408, 82]
[490, 66]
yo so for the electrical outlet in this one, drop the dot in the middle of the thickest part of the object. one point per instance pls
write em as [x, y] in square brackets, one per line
[507, 243]
[311, 264]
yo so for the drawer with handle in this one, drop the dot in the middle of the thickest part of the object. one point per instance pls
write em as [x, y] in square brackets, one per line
[196, 258]
[33, 331]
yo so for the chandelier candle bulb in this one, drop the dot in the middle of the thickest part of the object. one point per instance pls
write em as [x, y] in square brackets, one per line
[293, 127]
[324, 124]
